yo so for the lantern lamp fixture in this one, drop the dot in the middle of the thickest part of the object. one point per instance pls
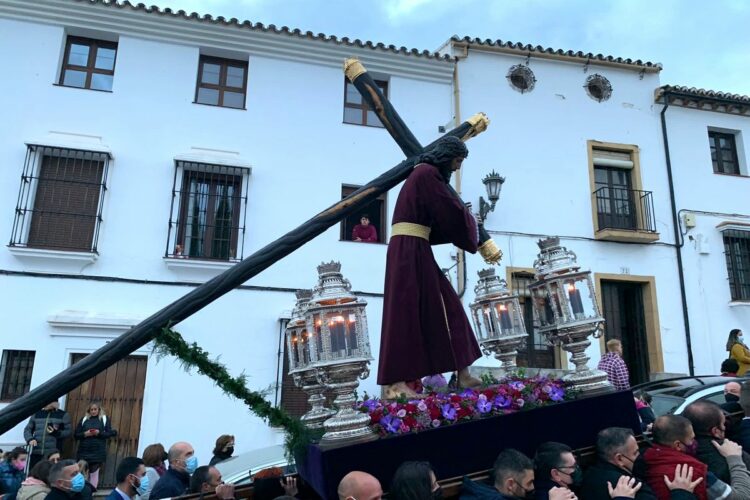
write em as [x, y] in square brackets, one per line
[493, 183]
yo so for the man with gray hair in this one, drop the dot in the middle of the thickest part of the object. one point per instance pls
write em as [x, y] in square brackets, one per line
[176, 481]
[66, 481]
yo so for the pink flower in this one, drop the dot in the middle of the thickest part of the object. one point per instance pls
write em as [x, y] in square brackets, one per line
[401, 413]
[422, 406]
[436, 423]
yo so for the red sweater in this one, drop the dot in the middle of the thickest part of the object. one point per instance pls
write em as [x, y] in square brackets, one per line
[365, 233]
[662, 461]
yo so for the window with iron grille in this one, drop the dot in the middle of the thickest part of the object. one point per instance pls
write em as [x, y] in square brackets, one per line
[723, 153]
[15, 374]
[356, 110]
[221, 82]
[737, 252]
[88, 64]
[208, 212]
[60, 199]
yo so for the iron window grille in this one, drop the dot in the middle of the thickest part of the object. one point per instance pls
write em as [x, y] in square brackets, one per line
[737, 252]
[207, 219]
[598, 87]
[60, 199]
[356, 110]
[521, 78]
[16, 368]
[221, 82]
[724, 153]
[88, 64]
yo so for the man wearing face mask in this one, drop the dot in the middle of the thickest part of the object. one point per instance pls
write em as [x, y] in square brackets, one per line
[182, 464]
[131, 479]
[709, 425]
[66, 481]
[513, 474]
[617, 454]
[732, 398]
[555, 466]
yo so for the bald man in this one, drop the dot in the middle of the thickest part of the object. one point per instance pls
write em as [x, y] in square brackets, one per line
[359, 486]
[182, 464]
[732, 397]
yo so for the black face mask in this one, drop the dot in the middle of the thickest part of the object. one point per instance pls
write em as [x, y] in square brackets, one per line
[731, 398]
[164, 457]
[228, 452]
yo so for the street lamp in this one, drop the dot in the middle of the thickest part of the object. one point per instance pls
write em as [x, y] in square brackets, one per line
[566, 310]
[301, 368]
[498, 322]
[340, 350]
[493, 183]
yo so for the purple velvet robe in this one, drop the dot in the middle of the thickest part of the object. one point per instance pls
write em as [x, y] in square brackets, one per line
[425, 329]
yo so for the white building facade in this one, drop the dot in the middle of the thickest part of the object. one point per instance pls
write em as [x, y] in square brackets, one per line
[147, 151]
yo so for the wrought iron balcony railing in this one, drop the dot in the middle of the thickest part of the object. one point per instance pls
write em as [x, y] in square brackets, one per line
[629, 209]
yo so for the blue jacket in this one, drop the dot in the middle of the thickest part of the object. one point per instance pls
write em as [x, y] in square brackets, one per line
[475, 490]
[172, 484]
[10, 480]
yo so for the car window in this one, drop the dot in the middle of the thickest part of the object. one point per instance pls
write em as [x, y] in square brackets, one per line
[665, 405]
[717, 398]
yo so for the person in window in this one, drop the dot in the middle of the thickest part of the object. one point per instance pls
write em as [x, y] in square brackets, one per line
[364, 231]
[738, 350]
[93, 431]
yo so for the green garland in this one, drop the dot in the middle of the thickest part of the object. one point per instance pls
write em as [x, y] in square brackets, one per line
[170, 342]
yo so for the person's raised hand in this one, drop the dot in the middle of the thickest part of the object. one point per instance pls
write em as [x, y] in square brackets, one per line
[626, 487]
[289, 484]
[225, 491]
[558, 493]
[728, 448]
[683, 479]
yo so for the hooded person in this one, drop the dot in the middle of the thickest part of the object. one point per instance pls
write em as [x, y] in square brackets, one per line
[425, 329]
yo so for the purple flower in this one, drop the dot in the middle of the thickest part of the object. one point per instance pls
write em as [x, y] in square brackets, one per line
[449, 412]
[483, 405]
[370, 404]
[391, 424]
[421, 406]
[435, 381]
[517, 385]
[467, 393]
[557, 393]
[502, 401]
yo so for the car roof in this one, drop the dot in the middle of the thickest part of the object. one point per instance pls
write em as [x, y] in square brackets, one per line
[684, 386]
[235, 468]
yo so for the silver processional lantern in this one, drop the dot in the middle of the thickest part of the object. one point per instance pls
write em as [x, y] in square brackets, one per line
[340, 350]
[302, 370]
[498, 319]
[566, 310]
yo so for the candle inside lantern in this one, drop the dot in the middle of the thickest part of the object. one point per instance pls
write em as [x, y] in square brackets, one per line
[505, 322]
[575, 299]
[338, 334]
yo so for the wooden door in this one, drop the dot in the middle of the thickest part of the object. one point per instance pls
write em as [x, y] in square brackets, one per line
[623, 311]
[119, 391]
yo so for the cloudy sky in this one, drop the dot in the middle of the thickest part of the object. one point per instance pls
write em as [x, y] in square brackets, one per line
[701, 43]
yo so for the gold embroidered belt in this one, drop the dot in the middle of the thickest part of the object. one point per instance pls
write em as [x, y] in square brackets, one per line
[411, 229]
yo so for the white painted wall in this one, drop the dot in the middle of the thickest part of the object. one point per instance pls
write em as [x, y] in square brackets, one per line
[301, 153]
[712, 199]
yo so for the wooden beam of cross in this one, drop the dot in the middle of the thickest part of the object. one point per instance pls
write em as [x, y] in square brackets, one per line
[145, 331]
[379, 103]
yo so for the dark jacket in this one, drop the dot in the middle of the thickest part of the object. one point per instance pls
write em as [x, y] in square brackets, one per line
[93, 449]
[709, 455]
[475, 490]
[10, 480]
[743, 434]
[58, 494]
[595, 480]
[172, 484]
[37, 429]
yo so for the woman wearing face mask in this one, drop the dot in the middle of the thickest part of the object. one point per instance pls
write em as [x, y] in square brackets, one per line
[738, 351]
[93, 431]
[223, 450]
[154, 457]
[12, 472]
[415, 481]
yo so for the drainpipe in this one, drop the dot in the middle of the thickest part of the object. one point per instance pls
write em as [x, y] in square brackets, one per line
[460, 254]
[676, 226]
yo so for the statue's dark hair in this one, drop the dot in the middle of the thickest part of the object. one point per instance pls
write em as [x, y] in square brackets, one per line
[445, 150]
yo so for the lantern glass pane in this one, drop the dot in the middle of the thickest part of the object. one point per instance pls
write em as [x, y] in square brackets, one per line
[504, 312]
[318, 338]
[304, 347]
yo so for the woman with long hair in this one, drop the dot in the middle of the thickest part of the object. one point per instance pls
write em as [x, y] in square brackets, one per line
[93, 431]
[223, 449]
[415, 481]
[738, 351]
[154, 457]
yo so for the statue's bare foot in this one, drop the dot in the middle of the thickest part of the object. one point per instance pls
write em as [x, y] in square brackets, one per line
[397, 390]
[466, 381]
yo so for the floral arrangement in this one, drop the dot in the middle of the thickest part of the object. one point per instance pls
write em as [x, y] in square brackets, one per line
[442, 407]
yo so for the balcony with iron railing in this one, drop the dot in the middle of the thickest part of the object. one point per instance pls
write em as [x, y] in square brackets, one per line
[624, 215]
